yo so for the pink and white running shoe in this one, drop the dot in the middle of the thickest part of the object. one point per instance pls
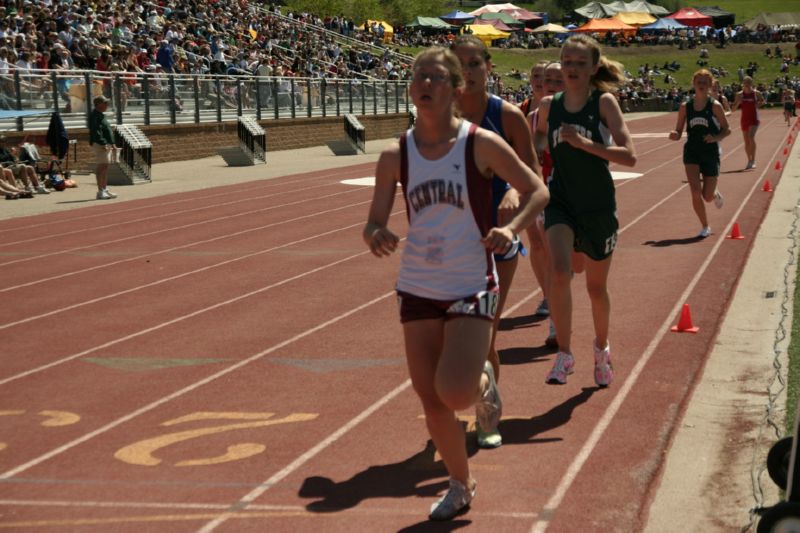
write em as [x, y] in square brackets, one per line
[563, 366]
[603, 371]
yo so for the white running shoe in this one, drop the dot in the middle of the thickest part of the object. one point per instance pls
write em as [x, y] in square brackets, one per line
[705, 232]
[453, 502]
[543, 309]
[750, 164]
[103, 195]
[719, 200]
[488, 411]
[110, 194]
[42, 190]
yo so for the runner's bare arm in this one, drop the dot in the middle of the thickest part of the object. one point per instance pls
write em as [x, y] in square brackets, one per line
[380, 240]
[675, 134]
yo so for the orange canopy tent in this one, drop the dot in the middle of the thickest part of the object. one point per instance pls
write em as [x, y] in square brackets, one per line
[603, 26]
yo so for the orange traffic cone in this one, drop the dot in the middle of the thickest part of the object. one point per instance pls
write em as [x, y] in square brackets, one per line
[777, 165]
[767, 186]
[685, 323]
[735, 234]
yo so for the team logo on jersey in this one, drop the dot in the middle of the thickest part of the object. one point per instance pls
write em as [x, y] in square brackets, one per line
[698, 121]
[582, 131]
[436, 192]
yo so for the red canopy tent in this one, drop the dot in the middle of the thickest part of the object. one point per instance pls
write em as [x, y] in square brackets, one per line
[691, 17]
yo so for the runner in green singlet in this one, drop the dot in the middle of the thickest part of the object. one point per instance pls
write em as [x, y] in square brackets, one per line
[581, 216]
[706, 126]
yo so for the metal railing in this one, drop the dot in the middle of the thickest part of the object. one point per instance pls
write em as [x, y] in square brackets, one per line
[158, 98]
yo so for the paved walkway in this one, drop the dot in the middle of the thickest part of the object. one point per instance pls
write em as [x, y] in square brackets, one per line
[724, 437]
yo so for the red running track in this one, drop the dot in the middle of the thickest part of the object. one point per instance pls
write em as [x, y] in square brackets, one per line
[218, 361]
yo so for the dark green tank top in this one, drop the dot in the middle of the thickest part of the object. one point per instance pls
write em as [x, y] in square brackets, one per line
[699, 124]
[581, 182]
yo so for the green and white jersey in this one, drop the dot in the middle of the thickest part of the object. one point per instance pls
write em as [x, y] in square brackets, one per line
[699, 124]
[581, 182]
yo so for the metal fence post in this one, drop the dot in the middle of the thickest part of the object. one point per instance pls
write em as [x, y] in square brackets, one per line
[146, 95]
[338, 110]
[275, 96]
[53, 81]
[87, 78]
[308, 98]
[218, 85]
[350, 94]
[172, 111]
[238, 98]
[385, 98]
[118, 98]
[196, 96]
[322, 94]
[258, 98]
[374, 98]
[291, 96]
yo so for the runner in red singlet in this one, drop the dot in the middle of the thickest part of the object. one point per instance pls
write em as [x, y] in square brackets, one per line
[749, 100]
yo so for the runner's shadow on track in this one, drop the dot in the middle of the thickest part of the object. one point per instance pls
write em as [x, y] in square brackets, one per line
[517, 322]
[396, 480]
[427, 525]
[524, 355]
[673, 242]
[523, 430]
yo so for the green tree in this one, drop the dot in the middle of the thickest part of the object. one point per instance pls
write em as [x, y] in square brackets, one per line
[321, 8]
[361, 10]
[404, 11]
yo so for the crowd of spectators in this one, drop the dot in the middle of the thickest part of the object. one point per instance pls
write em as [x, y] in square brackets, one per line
[235, 38]
[184, 36]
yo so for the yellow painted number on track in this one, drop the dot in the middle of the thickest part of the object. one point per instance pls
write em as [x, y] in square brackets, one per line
[53, 419]
[141, 453]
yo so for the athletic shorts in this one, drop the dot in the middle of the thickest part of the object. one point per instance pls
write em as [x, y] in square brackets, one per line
[103, 154]
[788, 106]
[747, 125]
[516, 248]
[707, 161]
[482, 305]
[595, 233]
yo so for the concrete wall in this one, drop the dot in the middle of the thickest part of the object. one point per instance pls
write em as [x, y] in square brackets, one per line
[194, 141]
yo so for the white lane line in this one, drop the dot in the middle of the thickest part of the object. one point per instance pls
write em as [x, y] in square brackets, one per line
[148, 219]
[540, 526]
[143, 505]
[246, 500]
[256, 185]
[307, 456]
[188, 273]
[166, 230]
[190, 388]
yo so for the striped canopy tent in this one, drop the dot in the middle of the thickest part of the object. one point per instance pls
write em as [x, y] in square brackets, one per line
[635, 19]
[603, 26]
[502, 17]
[551, 28]
[498, 24]
[522, 15]
[486, 33]
[492, 8]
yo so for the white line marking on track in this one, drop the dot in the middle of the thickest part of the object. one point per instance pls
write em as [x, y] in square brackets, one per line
[177, 394]
[184, 274]
[368, 181]
[308, 455]
[168, 230]
[228, 191]
[540, 526]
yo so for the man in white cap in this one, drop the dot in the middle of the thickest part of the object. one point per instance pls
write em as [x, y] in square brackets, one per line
[101, 139]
